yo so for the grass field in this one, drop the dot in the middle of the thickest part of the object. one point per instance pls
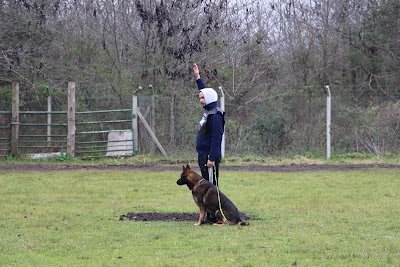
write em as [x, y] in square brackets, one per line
[339, 218]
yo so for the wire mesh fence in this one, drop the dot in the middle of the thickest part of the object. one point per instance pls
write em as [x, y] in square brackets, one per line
[274, 125]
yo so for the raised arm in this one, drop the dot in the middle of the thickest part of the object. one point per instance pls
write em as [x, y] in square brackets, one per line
[199, 81]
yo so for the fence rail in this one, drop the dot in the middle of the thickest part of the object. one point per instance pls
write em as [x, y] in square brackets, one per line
[27, 132]
[5, 134]
[88, 145]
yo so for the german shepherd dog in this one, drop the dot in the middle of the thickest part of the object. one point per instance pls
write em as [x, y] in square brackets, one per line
[205, 195]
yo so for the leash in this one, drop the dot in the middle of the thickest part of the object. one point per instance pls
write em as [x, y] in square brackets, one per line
[211, 178]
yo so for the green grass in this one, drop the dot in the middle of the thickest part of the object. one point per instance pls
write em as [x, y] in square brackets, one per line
[347, 218]
[347, 158]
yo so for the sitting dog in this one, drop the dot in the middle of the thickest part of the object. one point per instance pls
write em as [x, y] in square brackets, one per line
[205, 195]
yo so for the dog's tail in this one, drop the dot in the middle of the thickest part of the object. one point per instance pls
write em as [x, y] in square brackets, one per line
[242, 223]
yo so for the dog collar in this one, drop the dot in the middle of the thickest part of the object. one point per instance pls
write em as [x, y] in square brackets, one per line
[199, 182]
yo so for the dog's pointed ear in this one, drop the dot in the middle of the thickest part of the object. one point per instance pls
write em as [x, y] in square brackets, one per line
[187, 167]
[183, 167]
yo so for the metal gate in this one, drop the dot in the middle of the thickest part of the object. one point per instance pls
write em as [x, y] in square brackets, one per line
[44, 133]
[5, 134]
[52, 133]
[96, 132]
[91, 134]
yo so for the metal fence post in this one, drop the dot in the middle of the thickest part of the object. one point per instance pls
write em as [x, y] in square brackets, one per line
[71, 120]
[328, 123]
[223, 135]
[49, 109]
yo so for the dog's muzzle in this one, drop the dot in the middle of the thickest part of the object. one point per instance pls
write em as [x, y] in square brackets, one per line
[180, 181]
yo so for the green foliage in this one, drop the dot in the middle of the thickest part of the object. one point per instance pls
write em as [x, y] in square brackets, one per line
[11, 158]
[110, 52]
[355, 155]
[270, 126]
[371, 52]
[319, 219]
[5, 98]
[64, 157]
[313, 155]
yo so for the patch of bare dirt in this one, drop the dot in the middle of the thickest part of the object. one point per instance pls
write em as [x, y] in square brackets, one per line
[174, 216]
[154, 216]
[159, 167]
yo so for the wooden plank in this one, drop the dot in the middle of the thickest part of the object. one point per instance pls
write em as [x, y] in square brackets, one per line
[148, 128]
[135, 124]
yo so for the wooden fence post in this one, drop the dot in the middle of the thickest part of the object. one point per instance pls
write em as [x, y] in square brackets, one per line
[152, 115]
[71, 120]
[15, 119]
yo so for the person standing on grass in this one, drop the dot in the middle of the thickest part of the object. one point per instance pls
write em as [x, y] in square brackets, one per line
[210, 129]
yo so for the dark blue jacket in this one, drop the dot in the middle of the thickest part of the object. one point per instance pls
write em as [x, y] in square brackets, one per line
[209, 142]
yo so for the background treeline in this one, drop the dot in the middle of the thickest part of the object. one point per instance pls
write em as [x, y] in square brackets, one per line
[272, 58]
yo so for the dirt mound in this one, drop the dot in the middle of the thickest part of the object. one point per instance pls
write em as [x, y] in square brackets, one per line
[154, 216]
[157, 167]
[174, 216]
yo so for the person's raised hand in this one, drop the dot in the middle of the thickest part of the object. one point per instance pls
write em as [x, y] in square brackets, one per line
[196, 71]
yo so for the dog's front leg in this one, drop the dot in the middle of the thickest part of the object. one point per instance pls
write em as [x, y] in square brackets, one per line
[201, 216]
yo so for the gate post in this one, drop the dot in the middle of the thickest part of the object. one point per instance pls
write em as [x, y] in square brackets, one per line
[222, 102]
[328, 124]
[135, 124]
[15, 119]
[71, 120]
[49, 109]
